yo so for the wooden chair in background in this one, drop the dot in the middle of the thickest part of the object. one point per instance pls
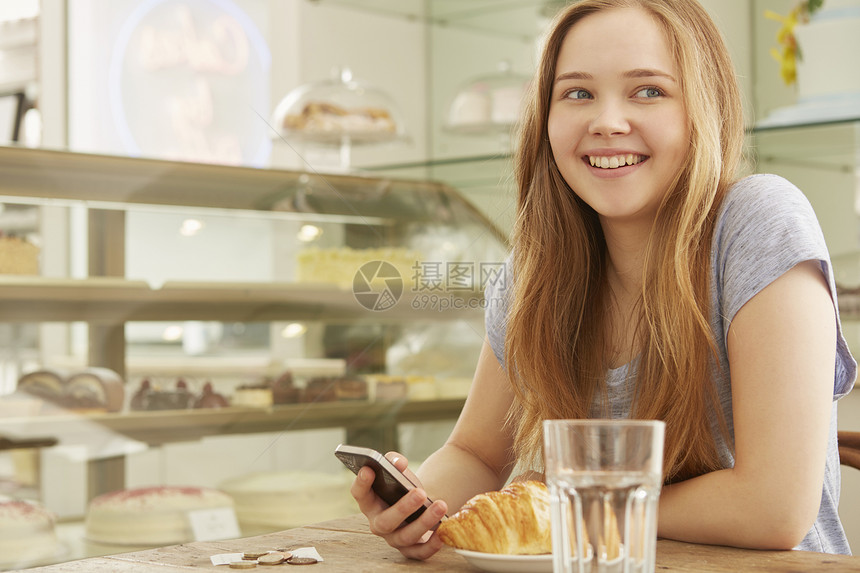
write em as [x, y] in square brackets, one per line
[849, 448]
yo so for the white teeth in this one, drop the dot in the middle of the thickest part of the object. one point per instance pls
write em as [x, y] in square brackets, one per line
[615, 161]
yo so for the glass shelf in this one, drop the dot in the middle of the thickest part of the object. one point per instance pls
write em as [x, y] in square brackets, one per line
[441, 162]
[517, 18]
[766, 127]
[829, 146]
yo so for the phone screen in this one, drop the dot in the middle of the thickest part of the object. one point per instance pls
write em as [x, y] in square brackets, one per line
[389, 484]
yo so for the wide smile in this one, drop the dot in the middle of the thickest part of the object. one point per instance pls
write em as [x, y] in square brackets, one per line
[614, 161]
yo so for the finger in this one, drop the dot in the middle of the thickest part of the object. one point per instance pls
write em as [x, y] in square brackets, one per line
[398, 459]
[423, 550]
[361, 484]
[433, 514]
[401, 463]
[392, 518]
[419, 530]
[368, 502]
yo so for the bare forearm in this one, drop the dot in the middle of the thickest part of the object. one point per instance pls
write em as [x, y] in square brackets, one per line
[455, 475]
[724, 508]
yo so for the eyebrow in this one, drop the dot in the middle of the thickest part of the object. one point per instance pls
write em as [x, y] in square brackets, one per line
[637, 73]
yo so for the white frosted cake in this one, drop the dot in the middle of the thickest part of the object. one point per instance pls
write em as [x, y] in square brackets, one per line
[282, 499]
[828, 44]
[507, 102]
[470, 107]
[27, 535]
[150, 516]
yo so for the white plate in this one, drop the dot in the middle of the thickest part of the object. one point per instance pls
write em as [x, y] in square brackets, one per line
[498, 563]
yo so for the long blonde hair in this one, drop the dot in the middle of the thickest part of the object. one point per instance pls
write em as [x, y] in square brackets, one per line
[556, 339]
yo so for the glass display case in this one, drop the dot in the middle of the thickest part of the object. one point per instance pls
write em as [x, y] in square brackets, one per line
[229, 301]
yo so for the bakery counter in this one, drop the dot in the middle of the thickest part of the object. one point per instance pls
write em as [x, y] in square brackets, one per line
[346, 545]
[170, 426]
[117, 300]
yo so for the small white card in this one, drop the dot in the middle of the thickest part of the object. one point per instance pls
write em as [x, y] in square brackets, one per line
[307, 552]
[226, 558]
[214, 524]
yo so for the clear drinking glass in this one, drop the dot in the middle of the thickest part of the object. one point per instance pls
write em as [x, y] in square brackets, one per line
[604, 479]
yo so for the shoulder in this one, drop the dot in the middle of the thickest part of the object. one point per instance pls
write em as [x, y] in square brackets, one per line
[764, 195]
[766, 226]
[767, 209]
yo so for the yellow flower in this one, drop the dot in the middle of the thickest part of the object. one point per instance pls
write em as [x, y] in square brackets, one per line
[787, 63]
[789, 51]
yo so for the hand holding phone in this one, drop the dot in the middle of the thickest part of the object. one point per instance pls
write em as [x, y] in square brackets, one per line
[389, 483]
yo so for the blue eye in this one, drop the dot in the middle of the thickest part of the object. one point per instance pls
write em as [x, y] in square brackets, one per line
[578, 94]
[650, 92]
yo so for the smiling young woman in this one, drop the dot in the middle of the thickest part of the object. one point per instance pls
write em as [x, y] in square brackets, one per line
[617, 124]
[648, 280]
[625, 76]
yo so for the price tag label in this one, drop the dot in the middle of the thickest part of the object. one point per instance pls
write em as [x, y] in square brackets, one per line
[214, 524]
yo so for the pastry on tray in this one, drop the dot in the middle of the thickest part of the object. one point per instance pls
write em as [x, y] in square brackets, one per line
[91, 389]
[153, 397]
[209, 398]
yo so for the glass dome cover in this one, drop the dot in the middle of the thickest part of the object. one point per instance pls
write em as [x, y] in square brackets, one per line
[339, 111]
[488, 104]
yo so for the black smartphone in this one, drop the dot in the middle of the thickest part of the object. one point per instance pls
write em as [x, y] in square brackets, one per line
[390, 484]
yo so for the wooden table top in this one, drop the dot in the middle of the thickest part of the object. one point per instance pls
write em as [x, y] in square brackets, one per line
[347, 545]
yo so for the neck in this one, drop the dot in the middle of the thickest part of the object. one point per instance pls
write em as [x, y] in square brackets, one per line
[625, 261]
[625, 257]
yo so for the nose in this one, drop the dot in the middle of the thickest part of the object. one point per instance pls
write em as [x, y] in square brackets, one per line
[609, 119]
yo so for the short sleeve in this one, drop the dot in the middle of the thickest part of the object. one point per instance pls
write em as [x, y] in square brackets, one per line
[496, 301]
[766, 227]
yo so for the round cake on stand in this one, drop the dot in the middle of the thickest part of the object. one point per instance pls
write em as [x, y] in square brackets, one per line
[828, 83]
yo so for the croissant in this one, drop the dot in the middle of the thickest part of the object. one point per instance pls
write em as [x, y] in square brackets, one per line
[514, 520]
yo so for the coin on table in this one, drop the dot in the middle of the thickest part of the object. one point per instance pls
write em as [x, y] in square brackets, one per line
[253, 555]
[302, 561]
[243, 564]
[274, 558]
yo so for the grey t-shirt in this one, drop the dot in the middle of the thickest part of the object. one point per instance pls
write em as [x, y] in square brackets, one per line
[765, 227]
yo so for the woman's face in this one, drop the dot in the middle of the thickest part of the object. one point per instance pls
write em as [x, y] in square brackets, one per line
[617, 125]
